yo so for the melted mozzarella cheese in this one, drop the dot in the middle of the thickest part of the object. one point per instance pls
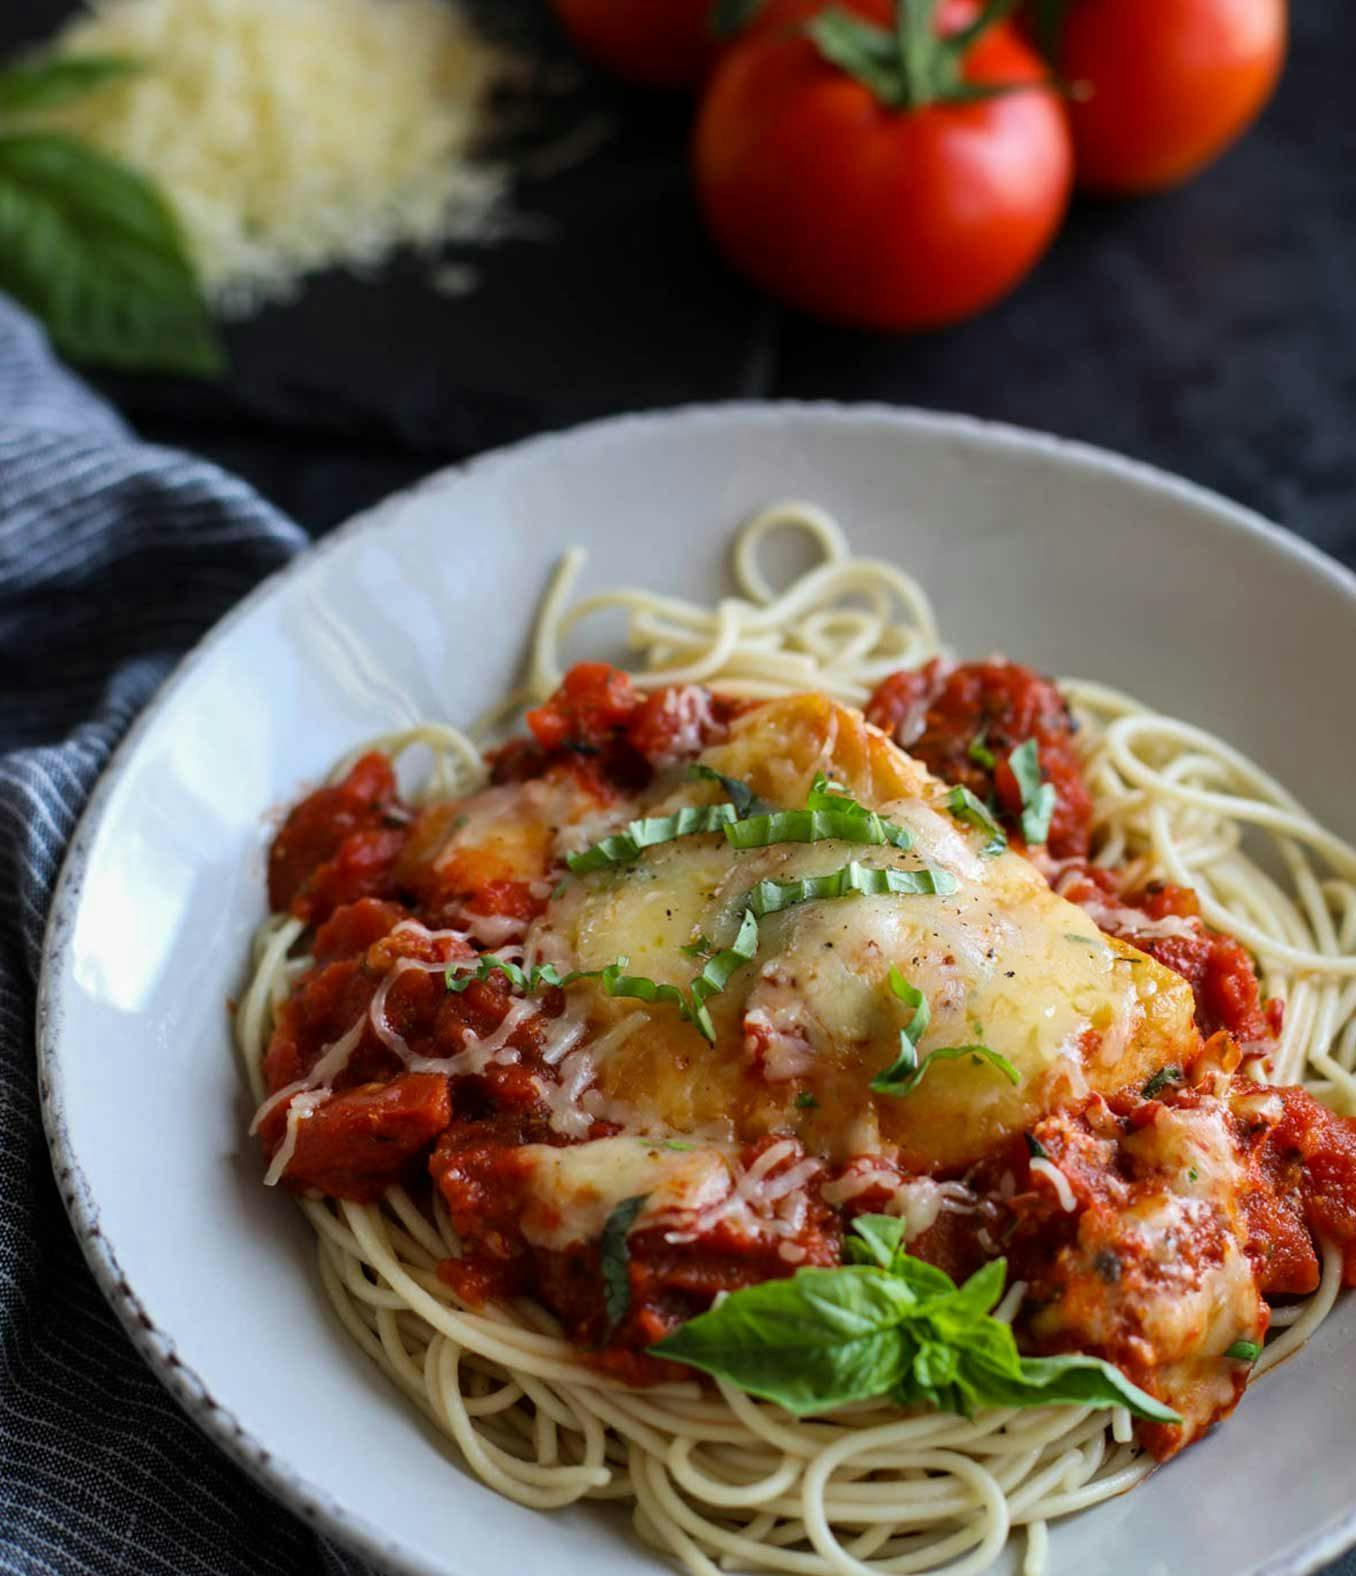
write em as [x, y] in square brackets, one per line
[1003, 961]
[570, 1192]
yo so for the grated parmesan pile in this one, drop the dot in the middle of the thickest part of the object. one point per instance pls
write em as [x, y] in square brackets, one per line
[293, 135]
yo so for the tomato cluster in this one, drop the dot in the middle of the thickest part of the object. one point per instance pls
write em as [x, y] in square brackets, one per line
[902, 164]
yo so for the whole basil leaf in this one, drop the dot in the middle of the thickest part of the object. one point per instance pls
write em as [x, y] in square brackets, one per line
[1074, 1379]
[877, 1239]
[811, 1343]
[94, 251]
[46, 84]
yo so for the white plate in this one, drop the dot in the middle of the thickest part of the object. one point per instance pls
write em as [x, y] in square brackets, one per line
[1062, 556]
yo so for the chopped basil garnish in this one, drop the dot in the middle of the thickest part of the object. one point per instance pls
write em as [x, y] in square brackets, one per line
[1160, 1081]
[904, 1075]
[742, 797]
[949, 1053]
[814, 826]
[1244, 1351]
[888, 1324]
[805, 1101]
[624, 846]
[905, 1067]
[968, 807]
[1035, 1148]
[980, 753]
[771, 897]
[677, 1143]
[528, 980]
[1038, 796]
[616, 1259]
[716, 975]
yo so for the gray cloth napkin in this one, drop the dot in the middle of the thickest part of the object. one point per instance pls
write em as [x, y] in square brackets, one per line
[114, 557]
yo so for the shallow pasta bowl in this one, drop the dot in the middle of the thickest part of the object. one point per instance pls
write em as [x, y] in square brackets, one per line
[1067, 558]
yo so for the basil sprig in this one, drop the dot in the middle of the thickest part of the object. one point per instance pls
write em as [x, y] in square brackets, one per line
[87, 243]
[970, 808]
[1038, 796]
[615, 1259]
[887, 1324]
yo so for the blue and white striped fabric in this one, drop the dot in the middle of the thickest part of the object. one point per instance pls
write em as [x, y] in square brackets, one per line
[114, 557]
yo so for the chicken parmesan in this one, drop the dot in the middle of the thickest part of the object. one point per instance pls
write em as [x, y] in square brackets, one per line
[832, 1054]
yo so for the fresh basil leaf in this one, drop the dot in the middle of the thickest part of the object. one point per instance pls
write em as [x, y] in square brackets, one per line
[624, 846]
[728, 17]
[1073, 1379]
[1160, 1081]
[876, 1240]
[90, 247]
[46, 84]
[982, 1293]
[905, 1066]
[716, 975]
[741, 796]
[971, 809]
[1038, 796]
[979, 751]
[924, 1280]
[771, 897]
[819, 1340]
[1244, 1351]
[616, 1259]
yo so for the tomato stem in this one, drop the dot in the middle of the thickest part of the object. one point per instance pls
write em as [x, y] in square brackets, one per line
[911, 65]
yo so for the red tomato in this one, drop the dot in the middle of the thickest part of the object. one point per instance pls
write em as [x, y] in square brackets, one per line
[1164, 86]
[657, 43]
[872, 215]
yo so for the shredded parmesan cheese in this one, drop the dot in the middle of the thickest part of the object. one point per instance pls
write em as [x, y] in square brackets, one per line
[293, 135]
[1057, 1180]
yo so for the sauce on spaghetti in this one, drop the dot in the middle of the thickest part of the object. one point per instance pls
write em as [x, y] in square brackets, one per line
[1153, 1198]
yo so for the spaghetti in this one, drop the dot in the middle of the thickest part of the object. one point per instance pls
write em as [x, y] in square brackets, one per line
[717, 1479]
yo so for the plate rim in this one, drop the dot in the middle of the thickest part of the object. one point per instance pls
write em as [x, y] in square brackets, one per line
[289, 1484]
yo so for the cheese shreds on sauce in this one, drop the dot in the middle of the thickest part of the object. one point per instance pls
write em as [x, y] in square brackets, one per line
[293, 135]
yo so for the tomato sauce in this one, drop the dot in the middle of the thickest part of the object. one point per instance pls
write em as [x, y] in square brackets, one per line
[344, 863]
[964, 721]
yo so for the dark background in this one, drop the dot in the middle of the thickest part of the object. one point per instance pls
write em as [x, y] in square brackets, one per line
[1211, 331]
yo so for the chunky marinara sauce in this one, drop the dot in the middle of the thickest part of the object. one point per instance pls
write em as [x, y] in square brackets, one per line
[383, 922]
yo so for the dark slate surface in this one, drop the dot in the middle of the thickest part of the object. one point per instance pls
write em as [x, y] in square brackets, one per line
[1211, 331]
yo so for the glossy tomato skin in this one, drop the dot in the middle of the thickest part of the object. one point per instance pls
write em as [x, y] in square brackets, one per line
[872, 216]
[654, 43]
[1162, 87]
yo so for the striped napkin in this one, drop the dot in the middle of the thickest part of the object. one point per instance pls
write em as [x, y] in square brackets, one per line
[114, 557]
